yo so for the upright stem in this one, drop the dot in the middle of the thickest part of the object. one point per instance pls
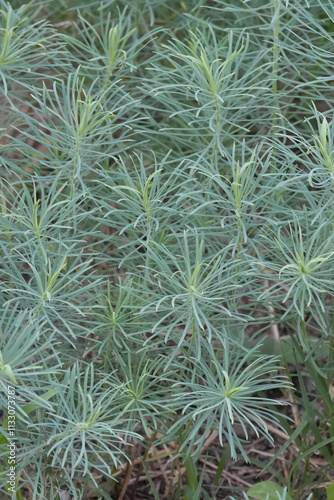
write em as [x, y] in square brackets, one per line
[276, 50]
[330, 373]
[304, 338]
[214, 158]
[75, 169]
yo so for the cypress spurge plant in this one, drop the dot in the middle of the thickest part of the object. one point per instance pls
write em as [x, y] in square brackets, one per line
[304, 265]
[219, 392]
[29, 49]
[104, 54]
[187, 291]
[166, 210]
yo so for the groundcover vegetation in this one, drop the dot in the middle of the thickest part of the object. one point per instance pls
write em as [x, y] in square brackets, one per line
[167, 271]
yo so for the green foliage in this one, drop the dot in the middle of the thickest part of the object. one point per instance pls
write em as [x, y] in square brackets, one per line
[222, 393]
[267, 490]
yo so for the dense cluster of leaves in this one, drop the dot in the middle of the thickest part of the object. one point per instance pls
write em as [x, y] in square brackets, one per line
[167, 196]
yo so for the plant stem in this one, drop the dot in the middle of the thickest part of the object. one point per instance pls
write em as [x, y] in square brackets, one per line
[276, 50]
